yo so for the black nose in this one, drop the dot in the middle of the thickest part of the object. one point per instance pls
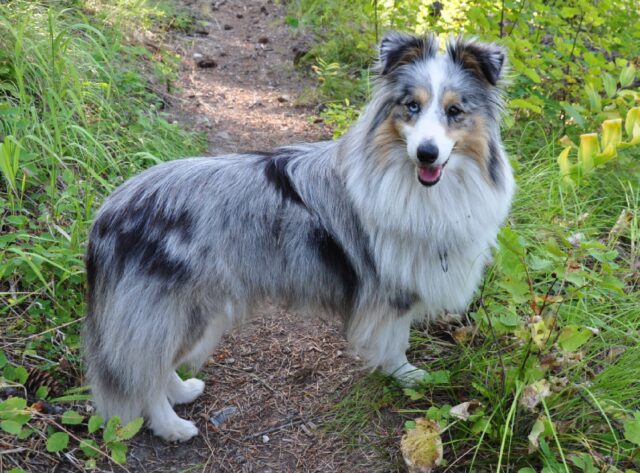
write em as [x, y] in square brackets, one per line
[427, 153]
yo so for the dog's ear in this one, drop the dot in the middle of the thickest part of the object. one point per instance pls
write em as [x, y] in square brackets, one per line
[485, 60]
[397, 49]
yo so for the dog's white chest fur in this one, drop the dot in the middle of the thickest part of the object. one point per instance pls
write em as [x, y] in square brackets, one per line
[434, 242]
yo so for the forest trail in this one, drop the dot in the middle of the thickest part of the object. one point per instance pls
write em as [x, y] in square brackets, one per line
[282, 372]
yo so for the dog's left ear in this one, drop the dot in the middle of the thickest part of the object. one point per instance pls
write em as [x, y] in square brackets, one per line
[485, 60]
[398, 49]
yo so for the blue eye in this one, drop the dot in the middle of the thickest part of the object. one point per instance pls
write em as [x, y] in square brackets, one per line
[413, 107]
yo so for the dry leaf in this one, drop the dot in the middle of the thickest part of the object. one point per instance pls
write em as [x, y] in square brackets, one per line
[422, 446]
[534, 393]
[463, 411]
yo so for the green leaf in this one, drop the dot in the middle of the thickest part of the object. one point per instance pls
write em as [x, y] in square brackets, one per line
[57, 442]
[19, 374]
[409, 424]
[72, 418]
[89, 448]
[533, 75]
[413, 394]
[521, 103]
[574, 113]
[132, 428]
[437, 377]
[632, 429]
[95, 422]
[3, 359]
[118, 452]
[11, 426]
[627, 76]
[110, 434]
[16, 470]
[573, 337]
[42, 392]
[25, 433]
[595, 102]
[610, 85]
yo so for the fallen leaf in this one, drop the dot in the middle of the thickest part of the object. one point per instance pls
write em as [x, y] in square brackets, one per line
[422, 446]
[534, 393]
[465, 410]
[542, 427]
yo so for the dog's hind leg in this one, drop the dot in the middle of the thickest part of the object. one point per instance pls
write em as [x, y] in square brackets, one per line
[183, 392]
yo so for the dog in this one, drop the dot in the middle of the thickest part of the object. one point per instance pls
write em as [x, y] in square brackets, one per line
[393, 222]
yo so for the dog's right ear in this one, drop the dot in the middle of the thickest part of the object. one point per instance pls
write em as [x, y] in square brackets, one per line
[398, 49]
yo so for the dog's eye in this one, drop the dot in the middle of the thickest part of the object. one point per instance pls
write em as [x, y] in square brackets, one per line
[413, 107]
[454, 111]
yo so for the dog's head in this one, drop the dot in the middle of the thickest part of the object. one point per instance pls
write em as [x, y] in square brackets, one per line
[444, 107]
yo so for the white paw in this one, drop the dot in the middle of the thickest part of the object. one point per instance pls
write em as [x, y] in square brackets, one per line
[408, 375]
[187, 391]
[178, 430]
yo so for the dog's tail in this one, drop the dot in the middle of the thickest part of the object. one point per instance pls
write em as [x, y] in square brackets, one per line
[128, 345]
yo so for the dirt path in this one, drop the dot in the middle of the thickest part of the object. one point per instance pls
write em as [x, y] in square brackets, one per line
[283, 373]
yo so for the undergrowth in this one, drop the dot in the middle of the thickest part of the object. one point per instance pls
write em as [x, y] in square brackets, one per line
[80, 111]
[542, 373]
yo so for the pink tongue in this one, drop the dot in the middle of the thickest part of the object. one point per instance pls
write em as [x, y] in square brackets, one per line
[430, 174]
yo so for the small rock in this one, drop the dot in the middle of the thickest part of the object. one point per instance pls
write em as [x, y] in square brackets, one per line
[220, 417]
[197, 56]
[263, 40]
[230, 361]
[227, 27]
[239, 15]
[284, 98]
[207, 63]
[240, 460]
[265, 439]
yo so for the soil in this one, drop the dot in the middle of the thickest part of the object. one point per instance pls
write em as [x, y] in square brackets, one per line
[282, 372]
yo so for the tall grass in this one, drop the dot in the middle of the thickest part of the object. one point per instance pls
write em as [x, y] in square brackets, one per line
[77, 117]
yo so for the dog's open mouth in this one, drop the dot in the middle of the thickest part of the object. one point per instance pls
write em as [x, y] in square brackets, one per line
[430, 175]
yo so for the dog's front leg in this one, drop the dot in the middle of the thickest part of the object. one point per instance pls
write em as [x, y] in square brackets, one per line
[395, 362]
[381, 337]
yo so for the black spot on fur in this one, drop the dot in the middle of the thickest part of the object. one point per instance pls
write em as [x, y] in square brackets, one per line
[277, 173]
[403, 301]
[140, 233]
[495, 166]
[381, 116]
[91, 268]
[336, 261]
[109, 378]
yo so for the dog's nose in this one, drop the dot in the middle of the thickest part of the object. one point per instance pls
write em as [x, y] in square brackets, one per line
[427, 153]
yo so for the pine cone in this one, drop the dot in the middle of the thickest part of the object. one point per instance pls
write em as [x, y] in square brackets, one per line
[38, 378]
